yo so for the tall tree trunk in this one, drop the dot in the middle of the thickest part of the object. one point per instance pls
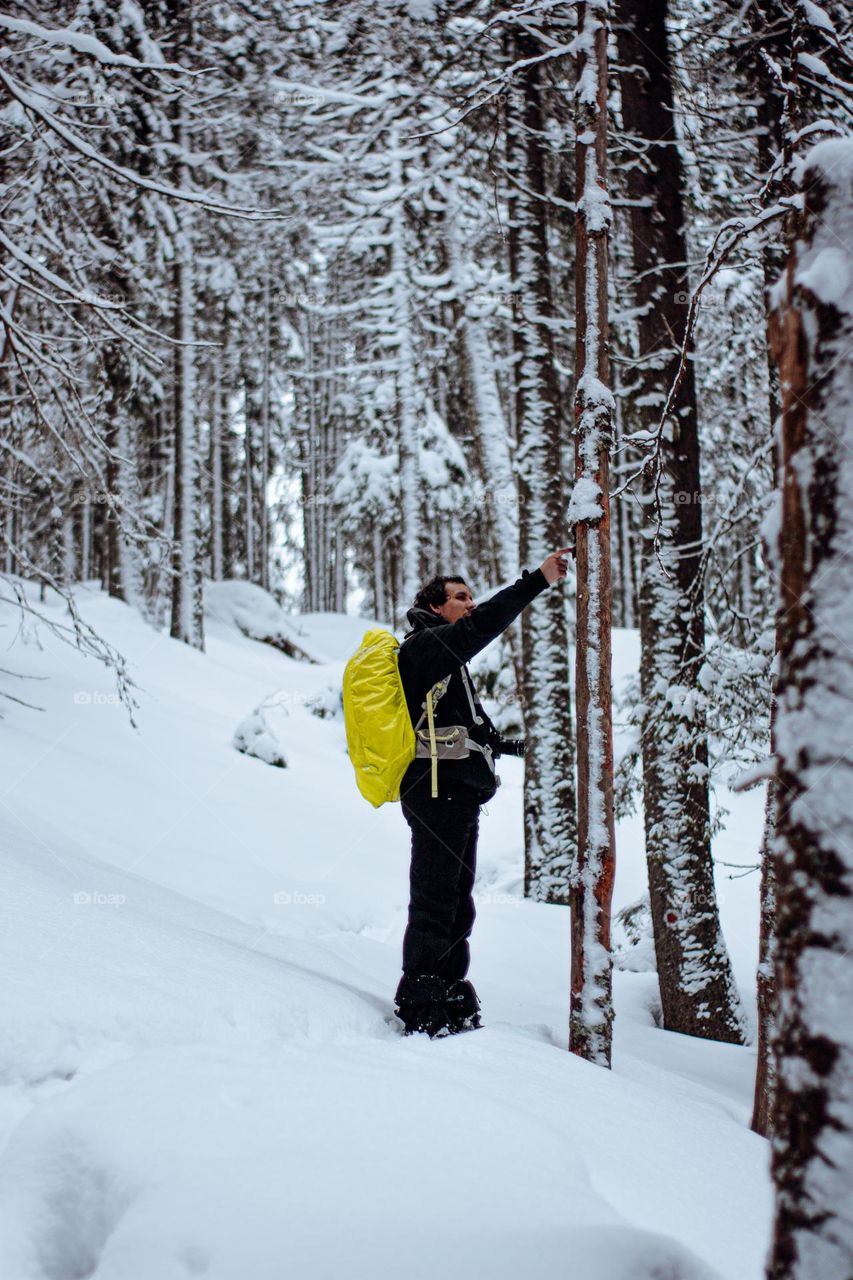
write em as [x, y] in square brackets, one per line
[407, 422]
[765, 1076]
[812, 338]
[766, 20]
[263, 499]
[217, 560]
[549, 785]
[591, 1016]
[489, 427]
[112, 558]
[380, 609]
[187, 582]
[312, 564]
[698, 992]
[250, 463]
[121, 499]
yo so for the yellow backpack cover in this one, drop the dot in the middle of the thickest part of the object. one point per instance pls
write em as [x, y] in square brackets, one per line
[380, 737]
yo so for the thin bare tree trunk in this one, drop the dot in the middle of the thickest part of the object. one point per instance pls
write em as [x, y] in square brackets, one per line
[264, 538]
[410, 498]
[216, 506]
[187, 584]
[549, 783]
[591, 1013]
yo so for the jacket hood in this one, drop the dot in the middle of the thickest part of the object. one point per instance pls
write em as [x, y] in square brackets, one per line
[420, 619]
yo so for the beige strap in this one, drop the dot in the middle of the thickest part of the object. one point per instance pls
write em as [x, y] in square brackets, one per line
[433, 751]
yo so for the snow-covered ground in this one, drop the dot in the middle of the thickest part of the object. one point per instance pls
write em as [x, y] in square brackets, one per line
[202, 1073]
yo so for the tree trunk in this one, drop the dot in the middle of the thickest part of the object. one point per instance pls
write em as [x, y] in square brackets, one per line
[812, 338]
[591, 1016]
[765, 1075]
[187, 582]
[216, 478]
[770, 108]
[549, 785]
[489, 427]
[407, 423]
[264, 520]
[698, 992]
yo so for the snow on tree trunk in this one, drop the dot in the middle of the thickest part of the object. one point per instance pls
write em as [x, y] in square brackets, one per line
[494, 456]
[765, 1075]
[123, 576]
[264, 548]
[128, 501]
[549, 786]
[698, 992]
[407, 420]
[812, 337]
[216, 481]
[187, 598]
[591, 1014]
[312, 563]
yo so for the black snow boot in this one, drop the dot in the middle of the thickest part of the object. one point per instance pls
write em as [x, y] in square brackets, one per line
[421, 1003]
[463, 1006]
[427, 1002]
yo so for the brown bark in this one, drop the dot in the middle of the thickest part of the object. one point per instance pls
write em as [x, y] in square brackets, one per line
[591, 1011]
[812, 339]
[698, 994]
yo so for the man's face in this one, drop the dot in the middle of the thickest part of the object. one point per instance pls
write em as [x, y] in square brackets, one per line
[458, 602]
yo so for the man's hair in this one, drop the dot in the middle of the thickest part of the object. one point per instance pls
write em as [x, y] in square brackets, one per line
[434, 592]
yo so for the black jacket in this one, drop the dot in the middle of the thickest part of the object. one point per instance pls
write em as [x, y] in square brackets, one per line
[434, 649]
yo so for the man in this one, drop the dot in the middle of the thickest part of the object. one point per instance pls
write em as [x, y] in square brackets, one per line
[444, 786]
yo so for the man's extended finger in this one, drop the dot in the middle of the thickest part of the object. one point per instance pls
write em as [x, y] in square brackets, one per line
[562, 552]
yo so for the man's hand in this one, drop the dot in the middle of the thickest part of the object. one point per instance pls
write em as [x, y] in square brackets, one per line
[555, 565]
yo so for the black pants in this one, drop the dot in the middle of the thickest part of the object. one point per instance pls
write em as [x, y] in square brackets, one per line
[441, 879]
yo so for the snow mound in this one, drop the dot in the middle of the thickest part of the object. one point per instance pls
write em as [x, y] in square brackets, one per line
[261, 733]
[243, 1162]
[308, 637]
[256, 614]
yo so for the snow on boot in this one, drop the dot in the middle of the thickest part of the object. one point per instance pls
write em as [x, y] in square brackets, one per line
[421, 1004]
[463, 1006]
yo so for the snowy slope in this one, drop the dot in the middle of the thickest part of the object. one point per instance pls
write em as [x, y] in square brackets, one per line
[202, 1074]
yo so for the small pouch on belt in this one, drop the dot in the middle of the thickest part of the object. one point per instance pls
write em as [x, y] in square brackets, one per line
[451, 742]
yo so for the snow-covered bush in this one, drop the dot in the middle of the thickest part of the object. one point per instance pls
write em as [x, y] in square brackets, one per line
[633, 939]
[262, 732]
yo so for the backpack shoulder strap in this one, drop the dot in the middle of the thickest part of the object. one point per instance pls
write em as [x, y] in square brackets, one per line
[433, 695]
[466, 680]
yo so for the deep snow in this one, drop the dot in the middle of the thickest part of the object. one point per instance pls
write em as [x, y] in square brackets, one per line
[202, 1073]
